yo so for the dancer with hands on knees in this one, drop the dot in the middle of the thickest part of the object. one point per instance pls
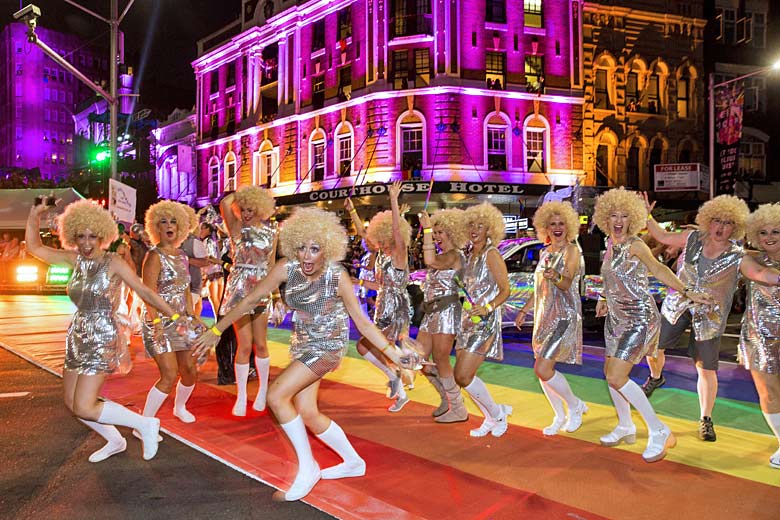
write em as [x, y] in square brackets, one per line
[759, 342]
[165, 271]
[486, 282]
[321, 292]
[391, 234]
[632, 318]
[710, 262]
[96, 342]
[245, 214]
[441, 303]
[557, 335]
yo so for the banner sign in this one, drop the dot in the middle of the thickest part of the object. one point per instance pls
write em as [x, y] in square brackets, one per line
[728, 133]
[121, 202]
[469, 188]
[681, 177]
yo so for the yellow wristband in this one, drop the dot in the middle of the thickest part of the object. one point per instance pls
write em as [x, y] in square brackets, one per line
[156, 320]
[175, 316]
[427, 230]
[215, 330]
[489, 307]
[360, 283]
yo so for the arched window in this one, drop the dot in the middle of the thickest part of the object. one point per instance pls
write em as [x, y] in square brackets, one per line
[345, 145]
[604, 82]
[536, 144]
[265, 168]
[656, 157]
[685, 151]
[655, 91]
[634, 160]
[411, 143]
[230, 171]
[214, 177]
[497, 142]
[635, 77]
[317, 143]
[686, 81]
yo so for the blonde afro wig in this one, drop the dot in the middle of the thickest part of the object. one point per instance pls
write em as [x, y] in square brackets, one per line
[724, 207]
[321, 227]
[766, 216]
[194, 218]
[453, 223]
[565, 211]
[256, 198]
[85, 215]
[490, 216]
[628, 202]
[167, 209]
[380, 229]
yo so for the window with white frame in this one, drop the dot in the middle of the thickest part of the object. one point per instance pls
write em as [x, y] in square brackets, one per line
[344, 154]
[535, 153]
[318, 160]
[230, 172]
[532, 11]
[496, 147]
[214, 178]
[266, 167]
[758, 30]
[412, 147]
[683, 97]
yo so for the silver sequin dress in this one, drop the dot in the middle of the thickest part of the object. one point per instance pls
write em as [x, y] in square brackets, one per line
[95, 342]
[251, 261]
[633, 323]
[172, 284]
[441, 302]
[719, 281]
[319, 339]
[393, 306]
[557, 313]
[759, 341]
[483, 338]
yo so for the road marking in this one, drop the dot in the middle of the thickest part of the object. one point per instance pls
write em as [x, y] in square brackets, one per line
[14, 394]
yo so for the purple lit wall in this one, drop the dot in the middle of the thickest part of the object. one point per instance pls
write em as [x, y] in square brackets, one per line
[36, 119]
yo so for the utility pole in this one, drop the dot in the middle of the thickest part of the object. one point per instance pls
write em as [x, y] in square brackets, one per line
[30, 15]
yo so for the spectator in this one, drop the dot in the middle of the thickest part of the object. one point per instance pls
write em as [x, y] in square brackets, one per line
[138, 247]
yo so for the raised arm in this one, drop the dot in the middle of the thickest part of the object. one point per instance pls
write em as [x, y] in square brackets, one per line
[353, 214]
[753, 270]
[448, 260]
[32, 236]
[229, 217]
[669, 238]
[399, 253]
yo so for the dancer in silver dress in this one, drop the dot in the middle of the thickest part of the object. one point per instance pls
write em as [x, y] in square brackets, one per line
[96, 342]
[759, 342]
[711, 261]
[557, 309]
[165, 271]
[392, 234]
[633, 322]
[441, 323]
[486, 282]
[321, 293]
[213, 276]
[246, 215]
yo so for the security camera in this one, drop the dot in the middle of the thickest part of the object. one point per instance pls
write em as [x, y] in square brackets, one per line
[29, 14]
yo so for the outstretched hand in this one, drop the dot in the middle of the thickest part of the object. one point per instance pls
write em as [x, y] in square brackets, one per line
[204, 343]
[648, 205]
[425, 219]
[395, 190]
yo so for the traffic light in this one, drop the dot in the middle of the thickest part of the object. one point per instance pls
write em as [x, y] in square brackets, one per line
[102, 156]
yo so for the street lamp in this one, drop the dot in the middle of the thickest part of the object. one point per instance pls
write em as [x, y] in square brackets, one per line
[712, 87]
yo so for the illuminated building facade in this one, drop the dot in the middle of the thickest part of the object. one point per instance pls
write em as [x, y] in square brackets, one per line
[37, 98]
[645, 88]
[307, 96]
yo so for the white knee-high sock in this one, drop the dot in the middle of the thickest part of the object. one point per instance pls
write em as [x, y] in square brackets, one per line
[337, 440]
[263, 366]
[296, 432]
[242, 374]
[555, 401]
[561, 387]
[480, 394]
[622, 408]
[149, 427]
[371, 358]
[154, 400]
[183, 394]
[107, 431]
[636, 396]
[773, 420]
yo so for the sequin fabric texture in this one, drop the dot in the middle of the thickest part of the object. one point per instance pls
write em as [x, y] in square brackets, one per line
[633, 323]
[321, 331]
[393, 306]
[172, 284]
[441, 297]
[95, 343]
[557, 313]
[251, 260]
[719, 281]
[759, 340]
[482, 338]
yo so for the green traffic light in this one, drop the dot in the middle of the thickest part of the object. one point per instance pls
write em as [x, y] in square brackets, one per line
[102, 156]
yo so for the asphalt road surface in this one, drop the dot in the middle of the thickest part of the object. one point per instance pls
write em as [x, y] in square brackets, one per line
[45, 474]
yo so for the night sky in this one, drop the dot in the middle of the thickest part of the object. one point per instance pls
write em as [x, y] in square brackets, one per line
[169, 28]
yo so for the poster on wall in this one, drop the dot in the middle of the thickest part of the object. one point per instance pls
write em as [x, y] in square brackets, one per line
[121, 202]
[728, 132]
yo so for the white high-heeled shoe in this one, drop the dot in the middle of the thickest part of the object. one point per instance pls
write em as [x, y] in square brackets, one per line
[620, 434]
[658, 443]
[774, 460]
[554, 427]
[575, 417]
